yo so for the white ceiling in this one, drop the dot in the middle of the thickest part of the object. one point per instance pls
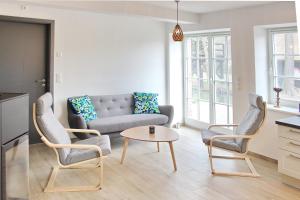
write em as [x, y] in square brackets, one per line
[196, 7]
[205, 6]
[190, 11]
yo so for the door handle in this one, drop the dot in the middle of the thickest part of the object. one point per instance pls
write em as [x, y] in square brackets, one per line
[41, 81]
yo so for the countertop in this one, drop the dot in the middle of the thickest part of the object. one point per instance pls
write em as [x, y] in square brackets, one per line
[9, 96]
[293, 122]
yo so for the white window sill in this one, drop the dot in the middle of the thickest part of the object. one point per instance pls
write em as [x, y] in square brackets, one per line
[283, 109]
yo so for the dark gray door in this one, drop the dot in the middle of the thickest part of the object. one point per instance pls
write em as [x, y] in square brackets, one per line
[23, 62]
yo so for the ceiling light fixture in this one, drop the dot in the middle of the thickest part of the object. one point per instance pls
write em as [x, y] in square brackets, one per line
[177, 32]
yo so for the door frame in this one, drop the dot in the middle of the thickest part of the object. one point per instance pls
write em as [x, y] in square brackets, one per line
[50, 25]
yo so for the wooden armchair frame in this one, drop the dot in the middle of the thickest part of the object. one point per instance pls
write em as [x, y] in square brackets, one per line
[240, 156]
[87, 164]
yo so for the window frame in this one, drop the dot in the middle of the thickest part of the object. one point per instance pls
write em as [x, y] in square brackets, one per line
[293, 103]
[211, 78]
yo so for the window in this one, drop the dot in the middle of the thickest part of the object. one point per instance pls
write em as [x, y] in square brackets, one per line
[284, 65]
[207, 77]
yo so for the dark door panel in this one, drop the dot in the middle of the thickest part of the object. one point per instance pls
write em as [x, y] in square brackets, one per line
[23, 61]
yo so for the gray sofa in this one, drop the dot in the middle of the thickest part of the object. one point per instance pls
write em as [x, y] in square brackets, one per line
[115, 114]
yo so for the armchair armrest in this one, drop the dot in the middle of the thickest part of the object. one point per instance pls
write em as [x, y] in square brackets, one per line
[221, 125]
[83, 131]
[167, 110]
[73, 146]
[226, 137]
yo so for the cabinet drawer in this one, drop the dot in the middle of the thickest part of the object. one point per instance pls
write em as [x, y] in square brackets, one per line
[289, 163]
[289, 145]
[290, 133]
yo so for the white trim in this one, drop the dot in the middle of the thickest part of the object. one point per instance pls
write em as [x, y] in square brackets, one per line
[211, 68]
[293, 103]
[283, 109]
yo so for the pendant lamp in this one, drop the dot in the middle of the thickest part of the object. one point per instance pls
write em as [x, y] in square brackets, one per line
[177, 32]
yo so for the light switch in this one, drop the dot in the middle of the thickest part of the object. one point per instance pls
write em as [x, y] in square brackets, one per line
[58, 78]
[59, 54]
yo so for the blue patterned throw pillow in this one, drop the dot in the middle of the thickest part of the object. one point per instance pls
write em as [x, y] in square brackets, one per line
[145, 103]
[83, 106]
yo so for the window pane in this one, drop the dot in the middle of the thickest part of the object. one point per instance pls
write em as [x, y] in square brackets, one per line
[229, 71]
[193, 48]
[204, 111]
[290, 47]
[192, 109]
[230, 115]
[279, 43]
[220, 69]
[295, 43]
[204, 85]
[203, 47]
[193, 89]
[220, 47]
[279, 62]
[204, 68]
[290, 88]
[192, 68]
[221, 114]
[229, 46]
[221, 92]
[287, 66]
[230, 93]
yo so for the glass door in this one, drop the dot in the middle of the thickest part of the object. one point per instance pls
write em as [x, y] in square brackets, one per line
[208, 78]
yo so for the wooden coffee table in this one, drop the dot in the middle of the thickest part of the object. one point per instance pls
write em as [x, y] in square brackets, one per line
[162, 134]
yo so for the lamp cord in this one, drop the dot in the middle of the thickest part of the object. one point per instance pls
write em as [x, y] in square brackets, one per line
[177, 11]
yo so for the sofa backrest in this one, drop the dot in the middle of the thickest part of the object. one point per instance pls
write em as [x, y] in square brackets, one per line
[113, 105]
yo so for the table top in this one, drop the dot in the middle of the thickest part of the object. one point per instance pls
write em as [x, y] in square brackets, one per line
[162, 134]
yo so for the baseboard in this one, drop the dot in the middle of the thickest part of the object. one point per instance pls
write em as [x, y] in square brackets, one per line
[262, 157]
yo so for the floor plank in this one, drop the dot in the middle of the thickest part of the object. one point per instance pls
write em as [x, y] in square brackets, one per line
[147, 174]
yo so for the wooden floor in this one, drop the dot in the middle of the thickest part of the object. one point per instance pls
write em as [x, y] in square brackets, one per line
[147, 174]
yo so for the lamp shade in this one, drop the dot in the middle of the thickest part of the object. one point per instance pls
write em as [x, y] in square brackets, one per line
[177, 33]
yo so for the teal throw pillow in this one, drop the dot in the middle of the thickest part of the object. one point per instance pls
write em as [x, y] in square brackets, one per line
[83, 105]
[145, 103]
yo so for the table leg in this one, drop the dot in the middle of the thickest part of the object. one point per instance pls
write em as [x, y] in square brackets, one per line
[125, 144]
[158, 146]
[173, 155]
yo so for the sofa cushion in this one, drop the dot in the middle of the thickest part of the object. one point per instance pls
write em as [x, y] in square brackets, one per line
[123, 122]
[83, 106]
[145, 103]
[113, 105]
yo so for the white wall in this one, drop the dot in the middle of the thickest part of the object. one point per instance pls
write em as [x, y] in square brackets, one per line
[102, 54]
[241, 22]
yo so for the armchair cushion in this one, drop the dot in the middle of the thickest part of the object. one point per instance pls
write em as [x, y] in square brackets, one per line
[50, 126]
[78, 155]
[252, 120]
[229, 144]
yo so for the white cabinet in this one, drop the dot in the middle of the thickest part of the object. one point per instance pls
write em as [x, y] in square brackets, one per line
[289, 150]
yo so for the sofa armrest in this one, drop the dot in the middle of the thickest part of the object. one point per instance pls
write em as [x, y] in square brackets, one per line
[77, 122]
[167, 110]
